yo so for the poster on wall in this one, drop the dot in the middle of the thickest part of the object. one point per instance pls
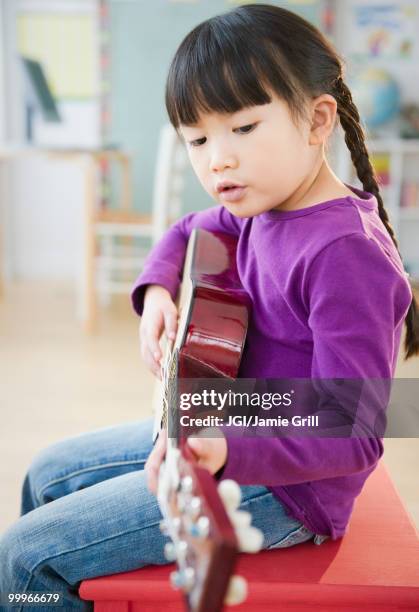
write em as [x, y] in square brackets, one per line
[385, 30]
[65, 45]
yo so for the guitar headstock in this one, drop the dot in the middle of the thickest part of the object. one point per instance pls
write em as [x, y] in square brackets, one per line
[207, 532]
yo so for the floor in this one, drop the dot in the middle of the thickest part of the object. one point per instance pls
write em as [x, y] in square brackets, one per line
[55, 381]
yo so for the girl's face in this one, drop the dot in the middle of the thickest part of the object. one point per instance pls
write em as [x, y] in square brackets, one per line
[259, 149]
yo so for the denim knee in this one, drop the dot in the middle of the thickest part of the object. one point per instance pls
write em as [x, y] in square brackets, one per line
[39, 473]
[13, 562]
[25, 553]
[47, 466]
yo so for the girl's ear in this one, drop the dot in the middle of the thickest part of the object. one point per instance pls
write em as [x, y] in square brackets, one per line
[323, 116]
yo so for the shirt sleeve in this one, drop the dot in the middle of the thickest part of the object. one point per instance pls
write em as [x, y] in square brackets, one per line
[357, 297]
[163, 265]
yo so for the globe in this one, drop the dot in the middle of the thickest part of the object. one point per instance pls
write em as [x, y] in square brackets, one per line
[376, 95]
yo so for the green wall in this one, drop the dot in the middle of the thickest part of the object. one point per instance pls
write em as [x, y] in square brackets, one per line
[144, 38]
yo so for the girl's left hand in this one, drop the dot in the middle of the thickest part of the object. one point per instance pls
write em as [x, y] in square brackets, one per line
[211, 453]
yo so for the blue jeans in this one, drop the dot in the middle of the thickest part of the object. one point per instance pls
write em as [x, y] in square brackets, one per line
[86, 512]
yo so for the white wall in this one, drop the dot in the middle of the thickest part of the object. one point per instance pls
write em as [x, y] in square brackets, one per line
[47, 219]
[2, 75]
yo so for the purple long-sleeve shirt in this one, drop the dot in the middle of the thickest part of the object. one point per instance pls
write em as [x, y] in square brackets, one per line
[329, 297]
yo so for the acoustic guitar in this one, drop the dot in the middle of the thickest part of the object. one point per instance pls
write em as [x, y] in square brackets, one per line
[202, 520]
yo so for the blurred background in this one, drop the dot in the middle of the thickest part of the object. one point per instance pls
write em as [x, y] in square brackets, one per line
[91, 175]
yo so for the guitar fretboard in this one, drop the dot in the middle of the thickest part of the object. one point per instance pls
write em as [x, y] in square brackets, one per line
[169, 376]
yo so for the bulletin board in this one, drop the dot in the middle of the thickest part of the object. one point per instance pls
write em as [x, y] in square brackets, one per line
[384, 30]
[65, 45]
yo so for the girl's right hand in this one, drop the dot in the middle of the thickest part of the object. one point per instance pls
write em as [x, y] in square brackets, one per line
[159, 313]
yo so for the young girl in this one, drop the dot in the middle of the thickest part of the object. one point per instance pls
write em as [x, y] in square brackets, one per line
[255, 94]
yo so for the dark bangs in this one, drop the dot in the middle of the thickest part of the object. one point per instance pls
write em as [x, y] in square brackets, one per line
[223, 65]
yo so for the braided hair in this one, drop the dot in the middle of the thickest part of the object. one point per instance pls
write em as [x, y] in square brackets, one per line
[355, 141]
[231, 61]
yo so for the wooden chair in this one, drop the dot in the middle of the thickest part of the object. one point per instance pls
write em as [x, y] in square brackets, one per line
[124, 222]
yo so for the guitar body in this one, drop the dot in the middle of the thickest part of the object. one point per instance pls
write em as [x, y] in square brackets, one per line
[214, 309]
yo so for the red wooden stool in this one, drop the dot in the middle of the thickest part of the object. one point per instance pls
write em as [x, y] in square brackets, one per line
[374, 566]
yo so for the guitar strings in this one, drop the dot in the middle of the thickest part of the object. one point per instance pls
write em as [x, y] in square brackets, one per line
[169, 377]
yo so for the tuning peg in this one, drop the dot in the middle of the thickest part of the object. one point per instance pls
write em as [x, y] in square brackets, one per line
[193, 530]
[250, 539]
[236, 591]
[240, 519]
[183, 579]
[186, 484]
[230, 493]
[170, 551]
[194, 506]
[200, 529]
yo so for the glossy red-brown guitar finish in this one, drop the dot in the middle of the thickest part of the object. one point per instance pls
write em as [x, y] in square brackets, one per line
[217, 326]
